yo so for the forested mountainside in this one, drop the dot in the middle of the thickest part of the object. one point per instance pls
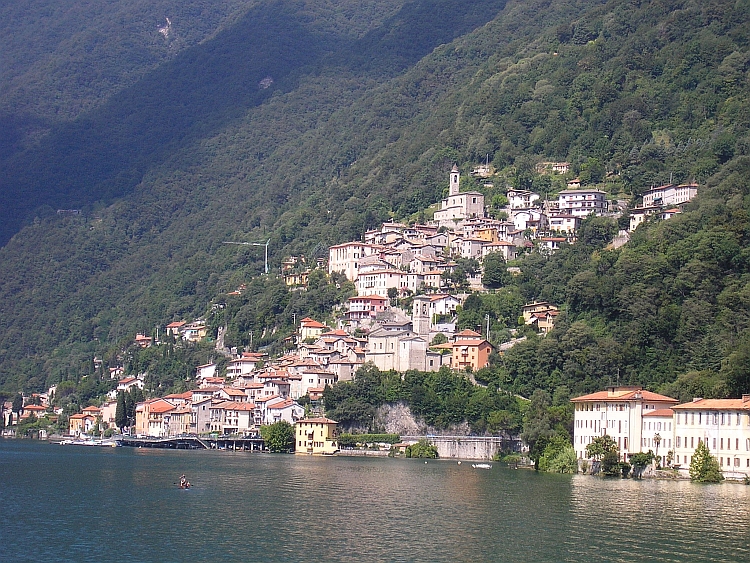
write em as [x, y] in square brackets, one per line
[308, 122]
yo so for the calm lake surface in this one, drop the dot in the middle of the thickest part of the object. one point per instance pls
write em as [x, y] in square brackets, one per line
[74, 503]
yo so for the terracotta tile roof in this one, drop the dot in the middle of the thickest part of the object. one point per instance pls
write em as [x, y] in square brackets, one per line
[251, 355]
[320, 420]
[282, 405]
[467, 332]
[235, 406]
[266, 399]
[475, 342]
[659, 412]
[336, 333]
[307, 322]
[625, 394]
[185, 395]
[161, 407]
[715, 404]
[231, 391]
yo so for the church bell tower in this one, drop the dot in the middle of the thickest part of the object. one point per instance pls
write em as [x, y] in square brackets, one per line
[454, 181]
[420, 319]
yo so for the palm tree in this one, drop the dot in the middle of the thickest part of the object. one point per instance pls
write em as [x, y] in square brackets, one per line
[657, 441]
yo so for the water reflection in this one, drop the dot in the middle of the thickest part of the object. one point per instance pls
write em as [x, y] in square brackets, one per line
[617, 520]
[79, 504]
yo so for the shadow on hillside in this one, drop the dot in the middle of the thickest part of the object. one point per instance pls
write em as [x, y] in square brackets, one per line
[105, 153]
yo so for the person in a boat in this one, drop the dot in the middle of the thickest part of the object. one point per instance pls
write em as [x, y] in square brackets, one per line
[183, 480]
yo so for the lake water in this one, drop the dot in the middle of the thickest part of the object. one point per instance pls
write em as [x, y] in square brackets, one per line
[74, 503]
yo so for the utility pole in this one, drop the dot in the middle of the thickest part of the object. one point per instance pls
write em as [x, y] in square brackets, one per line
[487, 317]
[254, 244]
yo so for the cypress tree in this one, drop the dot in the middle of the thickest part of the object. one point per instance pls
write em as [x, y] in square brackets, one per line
[121, 416]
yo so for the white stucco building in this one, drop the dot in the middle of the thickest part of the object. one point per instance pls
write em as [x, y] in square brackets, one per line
[723, 425]
[345, 258]
[669, 194]
[617, 412]
[583, 202]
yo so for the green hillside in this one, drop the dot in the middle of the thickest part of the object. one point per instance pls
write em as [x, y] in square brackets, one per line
[365, 114]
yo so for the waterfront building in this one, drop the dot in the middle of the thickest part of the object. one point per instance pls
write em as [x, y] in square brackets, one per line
[159, 418]
[657, 434]
[723, 425]
[200, 421]
[152, 418]
[234, 417]
[180, 420]
[617, 412]
[108, 410]
[80, 424]
[316, 436]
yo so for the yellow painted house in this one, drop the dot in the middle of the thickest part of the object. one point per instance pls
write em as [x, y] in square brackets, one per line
[316, 436]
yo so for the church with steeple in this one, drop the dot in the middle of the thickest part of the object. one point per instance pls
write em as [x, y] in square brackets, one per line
[459, 206]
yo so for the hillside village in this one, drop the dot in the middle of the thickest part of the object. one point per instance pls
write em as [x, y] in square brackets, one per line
[391, 263]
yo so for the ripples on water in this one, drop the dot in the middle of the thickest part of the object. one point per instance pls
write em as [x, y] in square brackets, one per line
[90, 504]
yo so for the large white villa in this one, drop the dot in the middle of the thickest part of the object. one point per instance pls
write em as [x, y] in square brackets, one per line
[639, 421]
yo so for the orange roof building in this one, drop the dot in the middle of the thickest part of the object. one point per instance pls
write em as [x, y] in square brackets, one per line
[470, 353]
[316, 436]
[723, 425]
[618, 412]
[310, 329]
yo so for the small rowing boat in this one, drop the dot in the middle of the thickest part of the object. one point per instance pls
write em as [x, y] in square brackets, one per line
[481, 465]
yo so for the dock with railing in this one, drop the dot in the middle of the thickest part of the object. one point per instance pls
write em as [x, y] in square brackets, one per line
[187, 442]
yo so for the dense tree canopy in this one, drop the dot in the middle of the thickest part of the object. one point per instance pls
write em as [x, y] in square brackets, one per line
[169, 155]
